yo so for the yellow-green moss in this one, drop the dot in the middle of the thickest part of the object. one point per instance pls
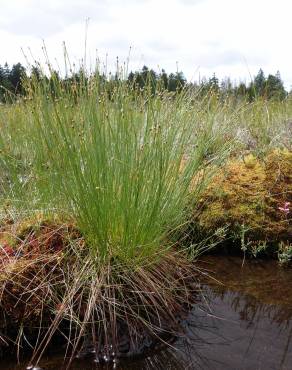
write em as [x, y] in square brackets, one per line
[247, 194]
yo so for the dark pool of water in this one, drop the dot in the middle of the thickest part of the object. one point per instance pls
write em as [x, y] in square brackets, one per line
[243, 323]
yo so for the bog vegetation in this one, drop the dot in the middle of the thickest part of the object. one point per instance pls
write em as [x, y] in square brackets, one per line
[111, 186]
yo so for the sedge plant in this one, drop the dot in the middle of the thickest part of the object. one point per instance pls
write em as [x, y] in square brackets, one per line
[126, 165]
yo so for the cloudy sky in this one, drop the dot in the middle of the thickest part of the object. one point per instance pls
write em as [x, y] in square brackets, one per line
[229, 37]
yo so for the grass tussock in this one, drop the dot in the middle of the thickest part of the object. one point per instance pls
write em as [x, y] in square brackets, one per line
[107, 164]
[111, 309]
[112, 162]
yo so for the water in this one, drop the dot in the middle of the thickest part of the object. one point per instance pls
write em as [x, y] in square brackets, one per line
[243, 323]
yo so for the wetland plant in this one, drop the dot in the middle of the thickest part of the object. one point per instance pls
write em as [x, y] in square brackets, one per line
[103, 175]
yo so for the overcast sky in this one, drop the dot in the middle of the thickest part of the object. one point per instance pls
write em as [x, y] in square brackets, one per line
[229, 37]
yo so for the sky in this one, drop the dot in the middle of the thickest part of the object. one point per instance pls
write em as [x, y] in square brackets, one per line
[232, 38]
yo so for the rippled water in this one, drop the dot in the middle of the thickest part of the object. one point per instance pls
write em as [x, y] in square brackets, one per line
[244, 323]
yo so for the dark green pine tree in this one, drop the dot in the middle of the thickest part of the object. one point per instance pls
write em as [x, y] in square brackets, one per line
[171, 82]
[241, 90]
[275, 87]
[176, 81]
[213, 83]
[131, 77]
[259, 84]
[181, 80]
[36, 73]
[164, 79]
[2, 82]
[152, 80]
[2, 75]
[6, 87]
[16, 76]
[144, 74]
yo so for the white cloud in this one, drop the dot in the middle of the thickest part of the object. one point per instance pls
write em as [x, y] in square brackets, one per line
[229, 37]
[46, 18]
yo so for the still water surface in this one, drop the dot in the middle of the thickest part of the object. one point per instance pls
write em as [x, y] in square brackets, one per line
[243, 323]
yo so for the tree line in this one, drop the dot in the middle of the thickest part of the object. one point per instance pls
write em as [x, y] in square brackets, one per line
[270, 87]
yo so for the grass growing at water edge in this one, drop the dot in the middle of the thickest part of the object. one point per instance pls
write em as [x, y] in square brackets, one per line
[118, 163]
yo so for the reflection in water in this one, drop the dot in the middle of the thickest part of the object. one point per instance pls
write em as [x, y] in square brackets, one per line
[258, 335]
[242, 324]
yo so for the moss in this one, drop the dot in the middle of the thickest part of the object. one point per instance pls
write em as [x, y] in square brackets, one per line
[249, 195]
[32, 254]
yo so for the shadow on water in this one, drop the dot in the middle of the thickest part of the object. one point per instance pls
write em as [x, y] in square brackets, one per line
[243, 323]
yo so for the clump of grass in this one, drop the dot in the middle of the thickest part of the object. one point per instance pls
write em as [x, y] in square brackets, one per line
[51, 284]
[120, 163]
[113, 160]
[121, 311]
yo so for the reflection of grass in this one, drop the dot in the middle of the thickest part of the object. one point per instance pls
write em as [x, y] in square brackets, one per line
[264, 280]
[251, 310]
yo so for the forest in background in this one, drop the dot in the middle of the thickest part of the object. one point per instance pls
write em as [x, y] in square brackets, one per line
[268, 87]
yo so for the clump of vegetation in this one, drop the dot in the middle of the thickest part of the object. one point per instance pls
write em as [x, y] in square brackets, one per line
[253, 198]
[99, 177]
[49, 282]
[106, 160]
